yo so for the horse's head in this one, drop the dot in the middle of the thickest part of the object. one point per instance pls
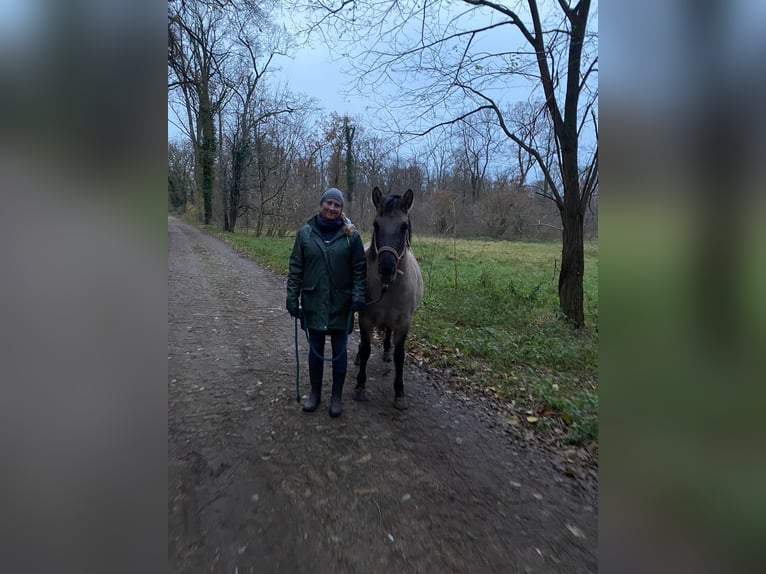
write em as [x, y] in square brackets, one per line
[391, 233]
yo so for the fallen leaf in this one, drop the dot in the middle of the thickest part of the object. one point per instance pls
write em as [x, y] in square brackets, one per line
[513, 420]
[576, 532]
[532, 419]
[365, 458]
[361, 491]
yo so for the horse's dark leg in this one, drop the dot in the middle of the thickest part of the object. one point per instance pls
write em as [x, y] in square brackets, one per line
[399, 401]
[387, 346]
[360, 393]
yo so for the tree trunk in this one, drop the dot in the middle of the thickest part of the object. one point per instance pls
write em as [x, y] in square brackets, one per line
[259, 220]
[572, 265]
[222, 185]
[238, 164]
[225, 211]
[207, 154]
[348, 133]
[207, 185]
[233, 211]
[234, 198]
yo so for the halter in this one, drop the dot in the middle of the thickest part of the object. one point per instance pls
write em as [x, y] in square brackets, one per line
[391, 250]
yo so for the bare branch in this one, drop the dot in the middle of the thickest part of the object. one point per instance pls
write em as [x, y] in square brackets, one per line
[587, 73]
[566, 8]
[527, 147]
[557, 228]
[400, 55]
[590, 183]
[515, 20]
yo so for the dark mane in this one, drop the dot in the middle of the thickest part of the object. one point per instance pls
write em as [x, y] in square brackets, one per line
[392, 205]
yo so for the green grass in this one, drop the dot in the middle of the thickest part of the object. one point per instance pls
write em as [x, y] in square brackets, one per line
[490, 314]
[273, 253]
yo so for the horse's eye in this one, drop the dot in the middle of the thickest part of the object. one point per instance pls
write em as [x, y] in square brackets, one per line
[405, 227]
[375, 225]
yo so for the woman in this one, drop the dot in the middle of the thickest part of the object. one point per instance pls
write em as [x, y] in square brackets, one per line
[325, 285]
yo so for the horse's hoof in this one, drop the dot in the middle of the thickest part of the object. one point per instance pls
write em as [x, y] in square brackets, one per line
[359, 395]
[400, 403]
[387, 357]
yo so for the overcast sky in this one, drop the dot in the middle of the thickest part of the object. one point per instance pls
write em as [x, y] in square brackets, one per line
[313, 73]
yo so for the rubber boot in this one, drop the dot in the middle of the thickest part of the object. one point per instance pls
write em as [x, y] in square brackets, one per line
[337, 394]
[315, 396]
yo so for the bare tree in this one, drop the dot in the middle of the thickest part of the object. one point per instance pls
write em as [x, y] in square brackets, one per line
[340, 133]
[254, 52]
[372, 155]
[196, 52]
[532, 124]
[438, 160]
[208, 41]
[431, 63]
[349, 131]
[307, 173]
[280, 142]
[404, 173]
[180, 175]
[474, 152]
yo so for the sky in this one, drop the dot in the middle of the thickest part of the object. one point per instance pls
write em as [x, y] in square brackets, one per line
[315, 72]
[312, 72]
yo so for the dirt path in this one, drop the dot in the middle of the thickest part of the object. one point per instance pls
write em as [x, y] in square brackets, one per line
[256, 485]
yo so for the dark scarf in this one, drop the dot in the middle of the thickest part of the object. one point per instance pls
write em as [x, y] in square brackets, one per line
[328, 227]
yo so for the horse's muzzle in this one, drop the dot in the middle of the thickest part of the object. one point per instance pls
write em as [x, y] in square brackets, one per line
[387, 268]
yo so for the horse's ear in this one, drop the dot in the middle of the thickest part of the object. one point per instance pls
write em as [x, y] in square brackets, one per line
[377, 195]
[407, 199]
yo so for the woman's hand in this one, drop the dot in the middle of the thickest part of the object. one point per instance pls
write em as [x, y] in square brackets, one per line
[294, 311]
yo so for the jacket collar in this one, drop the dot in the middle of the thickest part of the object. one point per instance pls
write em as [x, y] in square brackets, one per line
[312, 223]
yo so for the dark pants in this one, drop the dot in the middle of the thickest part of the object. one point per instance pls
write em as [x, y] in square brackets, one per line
[316, 365]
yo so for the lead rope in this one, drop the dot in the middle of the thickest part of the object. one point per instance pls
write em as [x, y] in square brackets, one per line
[313, 350]
[343, 347]
[297, 365]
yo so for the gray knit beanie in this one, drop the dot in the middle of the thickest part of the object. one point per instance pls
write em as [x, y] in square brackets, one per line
[332, 193]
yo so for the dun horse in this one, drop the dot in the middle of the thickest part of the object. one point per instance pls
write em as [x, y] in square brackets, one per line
[394, 287]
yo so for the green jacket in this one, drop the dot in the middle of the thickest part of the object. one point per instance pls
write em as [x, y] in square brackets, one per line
[326, 277]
